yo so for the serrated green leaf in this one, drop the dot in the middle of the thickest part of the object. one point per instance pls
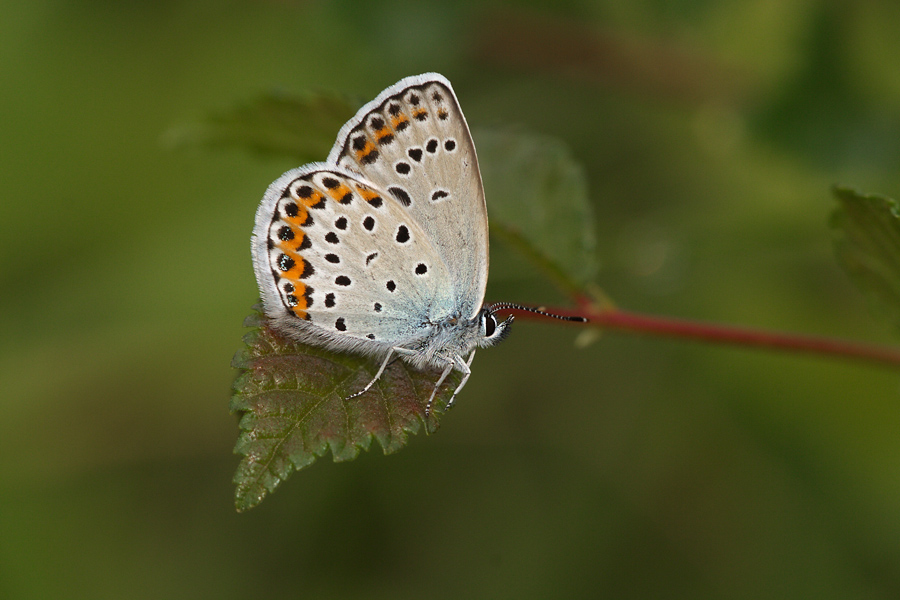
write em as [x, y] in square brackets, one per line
[538, 203]
[292, 403]
[301, 127]
[868, 245]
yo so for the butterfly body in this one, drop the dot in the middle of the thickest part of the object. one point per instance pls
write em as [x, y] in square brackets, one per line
[382, 249]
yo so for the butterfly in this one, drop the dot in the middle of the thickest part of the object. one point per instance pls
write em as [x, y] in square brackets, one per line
[382, 250]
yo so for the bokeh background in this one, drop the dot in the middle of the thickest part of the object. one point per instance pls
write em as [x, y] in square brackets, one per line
[710, 133]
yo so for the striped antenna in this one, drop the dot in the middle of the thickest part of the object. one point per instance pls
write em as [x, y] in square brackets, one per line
[508, 305]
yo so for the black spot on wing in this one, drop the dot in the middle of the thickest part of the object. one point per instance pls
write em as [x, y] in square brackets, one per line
[400, 194]
[285, 233]
[285, 262]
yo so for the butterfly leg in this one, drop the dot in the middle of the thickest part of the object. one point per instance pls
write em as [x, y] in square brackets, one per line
[436, 386]
[466, 371]
[465, 368]
[387, 361]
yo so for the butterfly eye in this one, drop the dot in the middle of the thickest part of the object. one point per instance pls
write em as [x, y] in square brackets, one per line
[490, 325]
[493, 332]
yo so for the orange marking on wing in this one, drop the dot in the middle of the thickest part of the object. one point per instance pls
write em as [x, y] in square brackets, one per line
[300, 219]
[339, 192]
[294, 244]
[367, 193]
[398, 120]
[296, 271]
[313, 199]
[361, 154]
[298, 296]
[299, 238]
[418, 113]
[299, 293]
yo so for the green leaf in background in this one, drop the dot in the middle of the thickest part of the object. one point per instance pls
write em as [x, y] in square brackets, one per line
[291, 399]
[868, 245]
[302, 127]
[538, 203]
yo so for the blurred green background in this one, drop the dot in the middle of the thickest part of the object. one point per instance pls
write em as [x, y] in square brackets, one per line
[635, 468]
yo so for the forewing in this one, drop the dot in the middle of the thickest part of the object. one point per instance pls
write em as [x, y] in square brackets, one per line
[413, 142]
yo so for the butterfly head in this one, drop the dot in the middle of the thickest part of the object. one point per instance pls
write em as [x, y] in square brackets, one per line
[492, 331]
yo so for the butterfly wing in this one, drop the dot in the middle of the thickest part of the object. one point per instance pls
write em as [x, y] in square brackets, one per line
[340, 265]
[413, 142]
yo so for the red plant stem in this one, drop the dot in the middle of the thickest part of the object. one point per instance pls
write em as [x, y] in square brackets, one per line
[726, 334]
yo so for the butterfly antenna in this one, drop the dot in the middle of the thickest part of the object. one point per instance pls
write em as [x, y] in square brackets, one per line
[504, 305]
